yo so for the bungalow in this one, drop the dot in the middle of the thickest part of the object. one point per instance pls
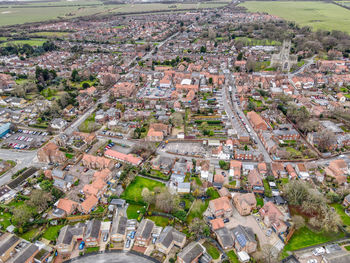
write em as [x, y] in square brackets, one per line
[191, 253]
[169, 238]
[122, 157]
[302, 171]
[66, 205]
[225, 238]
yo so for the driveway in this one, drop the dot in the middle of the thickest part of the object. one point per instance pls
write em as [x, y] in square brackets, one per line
[113, 258]
[250, 221]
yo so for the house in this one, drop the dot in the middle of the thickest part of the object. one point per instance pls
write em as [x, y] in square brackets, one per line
[302, 171]
[273, 217]
[154, 136]
[291, 172]
[224, 237]
[124, 89]
[122, 157]
[66, 205]
[162, 163]
[50, 153]
[68, 236]
[257, 121]
[217, 223]
[169, 238]
[346, 201]
[58, 124]
[244, 239]
[144, 233]
[191, 253]
[255, 181]
[89, 204]
[184, 188]
[92, 233]
[8, 243]
[118, 231]
[203, 166]
[235, 169]
[338, 169]
[96, 162]
[26, 255]
[104, 175]
[221, 207]
[262, 168]
[244, 203]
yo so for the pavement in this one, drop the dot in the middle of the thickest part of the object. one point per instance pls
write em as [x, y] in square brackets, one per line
[113, 258]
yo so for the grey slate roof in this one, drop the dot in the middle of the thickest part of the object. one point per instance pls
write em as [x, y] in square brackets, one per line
[7, 243]
[93, 229]
[145, 229]
[243, 235]
[190, 252]
[119, 225]
[225, 236]
[25, 254]
[168, 235]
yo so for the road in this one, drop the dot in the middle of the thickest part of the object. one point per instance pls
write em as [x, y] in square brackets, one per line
[113, 258]
[22, 158]
[228, 103]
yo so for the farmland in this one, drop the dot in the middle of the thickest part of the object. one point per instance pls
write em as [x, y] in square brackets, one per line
[318, 15]
[38, 12]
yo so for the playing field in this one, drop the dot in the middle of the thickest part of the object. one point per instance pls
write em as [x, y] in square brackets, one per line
[318, 15]
[63, 9]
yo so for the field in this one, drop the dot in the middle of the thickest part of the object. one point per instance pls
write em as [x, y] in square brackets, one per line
[134, 190]
[38, 12]
[305, 237]
[31, 42]
[318, 15]
[132, 211]
[340, 210]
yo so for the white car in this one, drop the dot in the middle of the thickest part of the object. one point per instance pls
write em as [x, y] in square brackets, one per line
[319, 251]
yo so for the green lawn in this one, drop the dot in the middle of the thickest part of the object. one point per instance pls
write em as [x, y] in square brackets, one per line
[132, 211]
[197, 210]
[50, 34]
[259, 201]
[318, 15]
[305, 237]
[159, 220]
[232, 256]
[31, 42]
[91, 249]
[347, 248]
[5, 219]
[134, 190]
[52, 232]
[258, 42]
[29, 235]
[340, 210]
[99, 209]
[212, 250]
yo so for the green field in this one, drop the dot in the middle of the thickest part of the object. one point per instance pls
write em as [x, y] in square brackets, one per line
[304, 237]
[340, 210]
[318, 15]
[132, 211]
[38, 12]
[134, 190]
[31, 42]
[50, 34]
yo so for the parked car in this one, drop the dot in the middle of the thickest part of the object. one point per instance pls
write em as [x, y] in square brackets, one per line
[81, 245]
[105, 237]
[226, 220]
[319, 251]
[127, 243]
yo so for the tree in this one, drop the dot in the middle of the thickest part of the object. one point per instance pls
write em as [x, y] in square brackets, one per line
[40, 199]
[326, 140]
[268, 254]
[177, 119]
[148, 196]
[203, 49]
[75, 75]
[21, 214]
[166, 201]
[250, 65]
[46, 185]
[299, 221]
[197, 226]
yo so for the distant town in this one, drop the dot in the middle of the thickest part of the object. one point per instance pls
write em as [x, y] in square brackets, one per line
[206, 135]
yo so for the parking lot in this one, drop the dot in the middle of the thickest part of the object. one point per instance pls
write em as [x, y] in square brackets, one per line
[154, 93]
[24, 139]
[185, 148]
